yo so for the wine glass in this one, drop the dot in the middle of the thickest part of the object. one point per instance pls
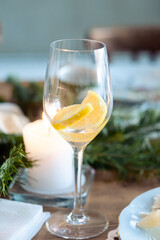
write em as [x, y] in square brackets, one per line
[78, 103]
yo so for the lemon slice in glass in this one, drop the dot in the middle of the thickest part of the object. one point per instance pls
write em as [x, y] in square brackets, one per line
[71, 115]
[97, 116]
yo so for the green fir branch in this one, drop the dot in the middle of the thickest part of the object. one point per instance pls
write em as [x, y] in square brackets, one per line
[132, 150]
[8, 141]
[17, 159]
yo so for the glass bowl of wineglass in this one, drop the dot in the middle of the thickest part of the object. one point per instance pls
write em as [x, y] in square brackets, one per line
[78, 103]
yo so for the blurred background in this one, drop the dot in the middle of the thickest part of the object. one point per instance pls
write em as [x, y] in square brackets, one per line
[28, 27]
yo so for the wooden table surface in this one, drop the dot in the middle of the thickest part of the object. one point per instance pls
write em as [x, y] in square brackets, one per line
[108, 196]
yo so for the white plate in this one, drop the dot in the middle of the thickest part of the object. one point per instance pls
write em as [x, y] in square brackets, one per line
[131, 215]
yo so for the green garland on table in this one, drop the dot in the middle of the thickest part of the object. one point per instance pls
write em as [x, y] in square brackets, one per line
[7, 142]
[12, 158]
[132, 149]
[33, 93]
[10, 167]
[128, 144]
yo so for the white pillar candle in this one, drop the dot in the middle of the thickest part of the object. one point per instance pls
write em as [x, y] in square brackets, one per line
[53, 173]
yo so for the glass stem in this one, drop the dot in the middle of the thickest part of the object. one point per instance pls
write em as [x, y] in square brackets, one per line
[77, 215]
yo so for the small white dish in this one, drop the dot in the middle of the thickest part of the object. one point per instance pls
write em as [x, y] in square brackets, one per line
[131, 215]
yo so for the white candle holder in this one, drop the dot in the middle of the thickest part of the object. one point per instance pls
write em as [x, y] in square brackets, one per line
[18, 193]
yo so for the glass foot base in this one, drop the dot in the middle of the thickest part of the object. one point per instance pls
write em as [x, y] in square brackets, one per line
[95, 225]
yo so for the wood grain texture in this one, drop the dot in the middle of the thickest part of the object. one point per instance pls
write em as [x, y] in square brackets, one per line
[108, 196]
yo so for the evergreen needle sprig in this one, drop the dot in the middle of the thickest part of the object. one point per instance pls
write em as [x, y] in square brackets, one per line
[17, 159]
[7, 142]
[132, 149]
